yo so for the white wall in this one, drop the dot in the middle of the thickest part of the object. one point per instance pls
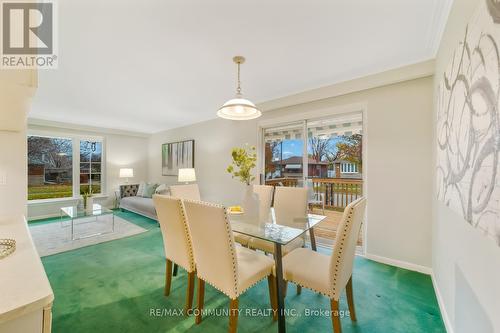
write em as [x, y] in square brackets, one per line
[16, 89]
[13, 166]
[121, 151]
[466, 264]
[399, 123]
[213, 142]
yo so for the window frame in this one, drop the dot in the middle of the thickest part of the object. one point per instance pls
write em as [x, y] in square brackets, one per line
[348, 167]
[102, 163]
[75, 139]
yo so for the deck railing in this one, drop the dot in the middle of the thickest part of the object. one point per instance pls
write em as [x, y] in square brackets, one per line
[338, 192]
[291, 182]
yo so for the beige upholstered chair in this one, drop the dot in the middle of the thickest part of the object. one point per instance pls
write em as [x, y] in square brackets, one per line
[265, 193]
[314, 197]
[176, 241]
[191, 191]
[229, 268]
[329, 275]
[289, 204]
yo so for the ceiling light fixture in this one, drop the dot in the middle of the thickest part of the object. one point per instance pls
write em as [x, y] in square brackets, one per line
[239, 108]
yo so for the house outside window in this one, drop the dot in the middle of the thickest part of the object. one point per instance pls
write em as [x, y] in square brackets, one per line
[50, 167]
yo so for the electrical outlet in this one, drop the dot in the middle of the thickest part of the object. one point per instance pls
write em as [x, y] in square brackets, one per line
[3, 178]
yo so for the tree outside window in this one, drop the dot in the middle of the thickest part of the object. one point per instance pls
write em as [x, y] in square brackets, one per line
[50, 168]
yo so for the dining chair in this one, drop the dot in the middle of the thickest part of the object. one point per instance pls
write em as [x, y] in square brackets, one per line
[265, 193]
[315, 198]
[290, 203]
[230, 269]
[189, 191]
[330, 275]
[176, 241]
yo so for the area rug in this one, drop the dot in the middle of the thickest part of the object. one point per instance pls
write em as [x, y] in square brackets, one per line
[55, 237]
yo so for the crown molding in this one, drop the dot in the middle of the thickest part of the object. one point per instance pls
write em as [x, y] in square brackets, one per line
[33, 122]
[401, 74]
[441, 12]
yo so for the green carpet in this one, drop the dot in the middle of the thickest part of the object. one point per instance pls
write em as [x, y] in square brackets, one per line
[115, 287]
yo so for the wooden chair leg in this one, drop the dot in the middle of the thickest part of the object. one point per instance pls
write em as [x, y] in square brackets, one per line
[273, 296]
[168, 277]
[350, 299]
[335, 316]
[233, 315]
[201, 299]
[299, 290]
[190, 292]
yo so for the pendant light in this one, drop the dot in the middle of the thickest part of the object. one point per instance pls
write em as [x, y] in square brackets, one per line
[239, 108]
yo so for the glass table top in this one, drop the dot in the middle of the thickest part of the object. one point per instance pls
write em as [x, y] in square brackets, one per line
[76, 212]
[271, 228]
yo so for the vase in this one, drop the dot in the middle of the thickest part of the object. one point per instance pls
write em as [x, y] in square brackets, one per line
[90, 205]
[251, 203]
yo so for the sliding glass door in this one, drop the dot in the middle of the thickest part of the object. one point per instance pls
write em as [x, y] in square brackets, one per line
[324, 155]
[284, 155]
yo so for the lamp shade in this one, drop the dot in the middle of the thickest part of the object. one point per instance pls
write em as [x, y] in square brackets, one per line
[187, 175]
[239, 109]
[126, 173]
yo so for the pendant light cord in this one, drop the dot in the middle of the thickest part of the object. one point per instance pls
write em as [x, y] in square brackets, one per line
[238, 90]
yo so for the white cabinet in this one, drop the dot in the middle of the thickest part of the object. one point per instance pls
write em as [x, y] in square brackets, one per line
[25, 293]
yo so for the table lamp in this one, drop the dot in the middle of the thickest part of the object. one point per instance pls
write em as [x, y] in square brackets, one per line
[126, 173]
[187, 175]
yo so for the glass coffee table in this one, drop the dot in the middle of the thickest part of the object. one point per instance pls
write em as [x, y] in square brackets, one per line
[76, 214]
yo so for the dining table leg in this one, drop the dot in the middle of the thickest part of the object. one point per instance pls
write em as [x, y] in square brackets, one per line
[313, 239]
[280, 288]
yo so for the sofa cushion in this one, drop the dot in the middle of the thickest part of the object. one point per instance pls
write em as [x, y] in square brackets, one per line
[149, 190]
[128, 190]
[140, 191]
[140, 205]
[163, 189]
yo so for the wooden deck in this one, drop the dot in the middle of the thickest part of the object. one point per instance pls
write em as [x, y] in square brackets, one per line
[326, 231]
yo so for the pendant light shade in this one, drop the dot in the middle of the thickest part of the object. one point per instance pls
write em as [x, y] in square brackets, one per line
[239, 108]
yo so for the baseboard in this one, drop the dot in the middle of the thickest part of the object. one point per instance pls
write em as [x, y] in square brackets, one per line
[420, 269]
[43, 217]
[399, 263]
[442, 309]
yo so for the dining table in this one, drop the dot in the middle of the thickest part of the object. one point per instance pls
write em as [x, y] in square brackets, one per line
[280, 232]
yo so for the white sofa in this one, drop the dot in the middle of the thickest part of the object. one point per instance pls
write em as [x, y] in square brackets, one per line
[139, 205]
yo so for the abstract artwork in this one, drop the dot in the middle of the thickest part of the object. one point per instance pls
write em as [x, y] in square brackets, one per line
[468, 125]
[177, 155]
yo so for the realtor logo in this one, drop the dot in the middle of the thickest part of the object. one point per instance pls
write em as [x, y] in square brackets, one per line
[28, 35]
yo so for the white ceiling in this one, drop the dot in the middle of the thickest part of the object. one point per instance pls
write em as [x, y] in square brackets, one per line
[151, 65]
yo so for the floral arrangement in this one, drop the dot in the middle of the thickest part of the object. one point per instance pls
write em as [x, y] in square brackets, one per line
[244, 160]
[86, 195]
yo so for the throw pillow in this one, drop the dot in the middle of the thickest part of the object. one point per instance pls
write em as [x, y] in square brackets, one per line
[140, 191]
[149, 190]
[163, 189]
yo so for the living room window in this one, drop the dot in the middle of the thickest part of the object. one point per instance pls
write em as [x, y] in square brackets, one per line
[64, 167]
[50, 167]
[90, 166]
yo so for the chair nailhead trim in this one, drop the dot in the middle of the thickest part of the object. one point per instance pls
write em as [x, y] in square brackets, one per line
[187, 234]
[347, 227]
